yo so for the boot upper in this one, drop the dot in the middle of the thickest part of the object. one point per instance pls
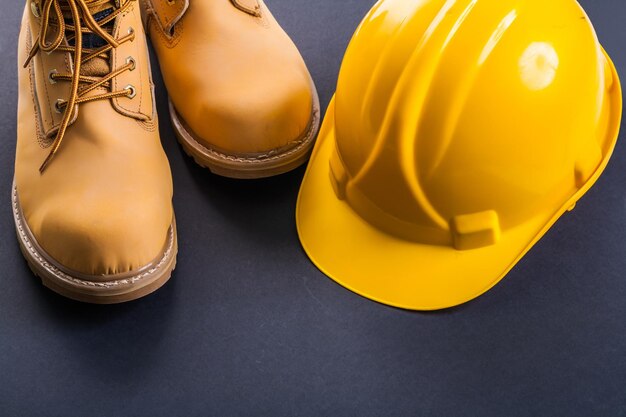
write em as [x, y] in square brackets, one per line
[233, 75]
[103, 204]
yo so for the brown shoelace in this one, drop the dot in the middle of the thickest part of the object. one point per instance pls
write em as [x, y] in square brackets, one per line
[83, 23]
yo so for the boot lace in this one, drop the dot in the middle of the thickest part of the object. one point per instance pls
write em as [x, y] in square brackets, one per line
[53, 14]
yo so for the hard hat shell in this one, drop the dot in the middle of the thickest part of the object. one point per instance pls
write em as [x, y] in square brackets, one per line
[461, 130]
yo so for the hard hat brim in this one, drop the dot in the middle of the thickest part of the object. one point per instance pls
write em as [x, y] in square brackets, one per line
[403, 273]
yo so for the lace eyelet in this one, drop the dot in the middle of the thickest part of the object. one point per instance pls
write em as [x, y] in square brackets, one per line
[171, 2]
[34, 8]
[59, 105]
[132, 91]
[50, 76]
[131, 61]
[131, 32]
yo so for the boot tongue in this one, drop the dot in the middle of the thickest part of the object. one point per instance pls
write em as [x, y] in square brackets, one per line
[98, 66]
[96, 6]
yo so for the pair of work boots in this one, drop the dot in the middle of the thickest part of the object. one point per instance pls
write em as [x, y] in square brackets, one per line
[92, 197]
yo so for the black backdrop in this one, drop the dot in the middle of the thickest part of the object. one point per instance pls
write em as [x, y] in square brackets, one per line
[248, 327]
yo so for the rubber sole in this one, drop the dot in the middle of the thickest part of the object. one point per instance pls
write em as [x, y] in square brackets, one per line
[249, 166]
[94, 289]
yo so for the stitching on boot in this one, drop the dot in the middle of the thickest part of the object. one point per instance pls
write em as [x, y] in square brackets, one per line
[88, 284]
[41, 139]
[268, 156]
[170, 41]
[256, 13]
[149, 126]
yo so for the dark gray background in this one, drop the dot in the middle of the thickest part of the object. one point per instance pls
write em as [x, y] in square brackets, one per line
[248, 327]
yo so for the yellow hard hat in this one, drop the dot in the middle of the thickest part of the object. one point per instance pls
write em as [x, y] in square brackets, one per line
[461, 130]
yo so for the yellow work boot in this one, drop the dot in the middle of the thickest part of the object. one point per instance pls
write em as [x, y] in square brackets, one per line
[92, 198]
[242, 101]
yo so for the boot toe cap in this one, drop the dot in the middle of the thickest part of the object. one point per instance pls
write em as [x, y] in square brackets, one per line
[261, 117]
[103, 240]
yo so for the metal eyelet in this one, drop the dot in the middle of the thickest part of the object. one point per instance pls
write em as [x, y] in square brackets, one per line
[50, 76]
[59, 105]
[131, 32]
[132, 91]
[34, 8]
[131, 61]
[171, 2]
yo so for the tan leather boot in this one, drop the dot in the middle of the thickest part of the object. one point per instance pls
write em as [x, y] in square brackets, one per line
[242, 101]
[92, 199]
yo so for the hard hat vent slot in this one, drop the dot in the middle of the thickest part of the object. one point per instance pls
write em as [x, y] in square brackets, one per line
[587, 165]
[478, 230]
[608, 75]
[338, 176]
